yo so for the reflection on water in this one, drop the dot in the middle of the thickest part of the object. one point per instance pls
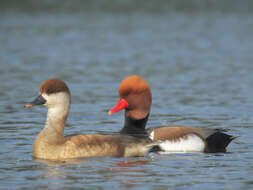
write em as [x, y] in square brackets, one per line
[102, 170]
[198, 64]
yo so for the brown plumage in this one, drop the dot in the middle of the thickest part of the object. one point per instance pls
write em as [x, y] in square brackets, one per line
[133, 84]
[173, 133]
[137, 94]
[51, 144]
[51, 86]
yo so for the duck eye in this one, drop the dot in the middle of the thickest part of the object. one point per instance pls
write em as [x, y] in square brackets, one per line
[50, 91]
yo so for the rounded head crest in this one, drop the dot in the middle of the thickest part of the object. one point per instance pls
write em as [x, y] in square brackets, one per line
[52, 86]
[133, 84]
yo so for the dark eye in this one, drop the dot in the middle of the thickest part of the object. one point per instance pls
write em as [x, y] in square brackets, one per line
[50, 91]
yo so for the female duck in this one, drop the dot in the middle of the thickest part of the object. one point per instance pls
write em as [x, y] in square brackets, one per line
[51, 144]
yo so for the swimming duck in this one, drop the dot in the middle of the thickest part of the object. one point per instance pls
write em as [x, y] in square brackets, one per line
[136, 98]
[51, 143]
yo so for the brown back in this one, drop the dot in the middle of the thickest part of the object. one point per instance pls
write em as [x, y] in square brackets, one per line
[173, 132]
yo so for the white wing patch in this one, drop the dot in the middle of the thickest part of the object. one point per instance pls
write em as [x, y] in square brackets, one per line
[192, 143]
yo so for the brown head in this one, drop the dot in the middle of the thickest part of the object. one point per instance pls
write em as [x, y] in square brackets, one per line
[52, 92]
[135, 97]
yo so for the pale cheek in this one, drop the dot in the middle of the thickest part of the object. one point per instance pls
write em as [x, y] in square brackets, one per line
[55, 100]
[50, 100]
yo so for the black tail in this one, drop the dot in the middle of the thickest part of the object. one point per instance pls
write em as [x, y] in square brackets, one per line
[155, 148]
[217, 142]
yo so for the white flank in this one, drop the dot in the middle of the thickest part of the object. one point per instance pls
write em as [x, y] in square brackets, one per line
[151, 136]
[192, 143]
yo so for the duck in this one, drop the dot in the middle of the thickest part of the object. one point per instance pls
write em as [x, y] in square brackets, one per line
[52, 144]
[135, 98]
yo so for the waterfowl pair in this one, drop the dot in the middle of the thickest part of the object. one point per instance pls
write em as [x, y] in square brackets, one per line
[136, 98]
[51, 143]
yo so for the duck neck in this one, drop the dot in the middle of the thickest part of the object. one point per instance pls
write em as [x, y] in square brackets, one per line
[135, 127]
[56, 119]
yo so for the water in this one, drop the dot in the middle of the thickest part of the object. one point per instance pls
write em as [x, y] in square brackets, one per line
[199, 65]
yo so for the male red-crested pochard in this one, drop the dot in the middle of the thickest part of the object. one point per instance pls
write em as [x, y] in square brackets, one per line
[51, 144]
[136, 98]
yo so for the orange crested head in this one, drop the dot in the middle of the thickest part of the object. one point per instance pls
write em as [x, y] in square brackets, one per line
[52, 86]
[133, 84]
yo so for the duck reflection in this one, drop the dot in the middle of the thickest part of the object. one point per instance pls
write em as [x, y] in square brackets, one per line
[124, 173]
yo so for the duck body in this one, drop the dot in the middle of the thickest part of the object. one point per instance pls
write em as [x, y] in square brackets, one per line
[136, 99]
[88, 145]
[51, 143]
[189, 139]
[179, 138]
